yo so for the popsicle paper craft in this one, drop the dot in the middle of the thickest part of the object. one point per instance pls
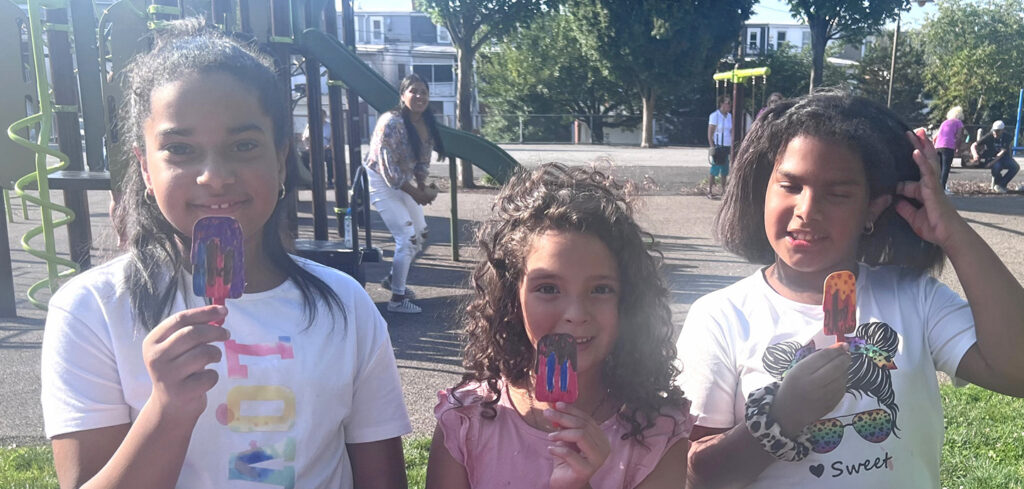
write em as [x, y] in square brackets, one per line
[218, 269]
[556, 369]
[840, 304]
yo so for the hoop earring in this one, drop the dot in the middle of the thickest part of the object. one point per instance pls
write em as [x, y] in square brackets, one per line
[281, 192]
[869, 228]
[148, 196]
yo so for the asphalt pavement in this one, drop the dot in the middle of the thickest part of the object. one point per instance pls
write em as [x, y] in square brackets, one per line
[426, 345]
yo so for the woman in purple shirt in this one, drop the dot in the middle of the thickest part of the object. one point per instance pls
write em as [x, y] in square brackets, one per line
[950, 134]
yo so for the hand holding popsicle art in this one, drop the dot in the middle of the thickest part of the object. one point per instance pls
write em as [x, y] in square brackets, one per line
[556, 369]
[218, 269]
[840, 304]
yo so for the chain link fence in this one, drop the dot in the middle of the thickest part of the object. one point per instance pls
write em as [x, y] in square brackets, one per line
[590, 129]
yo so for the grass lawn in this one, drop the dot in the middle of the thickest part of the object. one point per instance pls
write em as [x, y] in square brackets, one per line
[984, 447]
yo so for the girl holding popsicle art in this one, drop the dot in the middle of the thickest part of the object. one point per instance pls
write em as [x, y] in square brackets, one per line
[139, 389]
[820, 369]
[569, 357]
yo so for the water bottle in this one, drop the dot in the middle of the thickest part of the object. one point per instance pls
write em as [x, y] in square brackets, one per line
[348, 228]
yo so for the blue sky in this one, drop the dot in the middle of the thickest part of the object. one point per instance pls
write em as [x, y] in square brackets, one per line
[767, 11]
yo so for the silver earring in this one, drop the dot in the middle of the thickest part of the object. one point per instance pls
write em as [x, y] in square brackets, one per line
[148, 196]
[281, 192]
[869, 228]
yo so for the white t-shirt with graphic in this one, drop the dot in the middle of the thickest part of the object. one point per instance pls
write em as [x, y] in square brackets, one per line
[289, 398]
[889, 432]
[723, 128]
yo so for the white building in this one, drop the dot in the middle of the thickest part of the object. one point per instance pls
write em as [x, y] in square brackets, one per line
[759, 38]
[396, 43]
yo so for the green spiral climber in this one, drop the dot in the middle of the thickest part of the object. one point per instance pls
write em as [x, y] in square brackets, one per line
[38, 178]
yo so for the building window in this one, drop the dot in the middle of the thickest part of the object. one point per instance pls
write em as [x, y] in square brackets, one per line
[435, 73]
[781, 36]
[752, 40]
[442, 35]
[376, 30]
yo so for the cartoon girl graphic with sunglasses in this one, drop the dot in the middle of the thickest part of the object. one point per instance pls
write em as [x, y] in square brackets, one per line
[872, 349]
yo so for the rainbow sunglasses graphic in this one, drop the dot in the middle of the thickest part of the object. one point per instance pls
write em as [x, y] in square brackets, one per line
[826, 434]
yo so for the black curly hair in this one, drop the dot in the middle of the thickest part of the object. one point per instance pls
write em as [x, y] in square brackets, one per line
[868, 130]
[640, 369]
[181, 49]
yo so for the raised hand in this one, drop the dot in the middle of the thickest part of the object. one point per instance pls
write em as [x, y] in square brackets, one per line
[580, 447]
[177, 352]
[936, 220]
[811, 389]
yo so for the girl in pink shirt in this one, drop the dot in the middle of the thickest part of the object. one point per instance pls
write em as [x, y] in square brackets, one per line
[563, 254]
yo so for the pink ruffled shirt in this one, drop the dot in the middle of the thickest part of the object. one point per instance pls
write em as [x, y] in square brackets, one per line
[507, 452]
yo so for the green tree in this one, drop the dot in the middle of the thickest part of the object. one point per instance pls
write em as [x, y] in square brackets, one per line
[472, 24]
[976, 58]
[655, 46]
[872, 75]
[791, 69]
[539, 70]
[849, 20]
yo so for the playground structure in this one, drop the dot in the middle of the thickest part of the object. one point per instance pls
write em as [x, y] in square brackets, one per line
[1018, 129]
[738, 78]
[66, 82]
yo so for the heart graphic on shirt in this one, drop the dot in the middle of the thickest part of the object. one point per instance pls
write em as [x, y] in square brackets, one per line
[817, 470]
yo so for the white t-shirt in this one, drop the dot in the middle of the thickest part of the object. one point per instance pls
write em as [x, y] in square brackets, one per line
[742, 337]
[723, 128]
[290, 394]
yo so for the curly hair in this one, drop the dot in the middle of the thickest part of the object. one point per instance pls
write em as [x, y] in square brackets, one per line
[866, 129]
[640, 368]
[182, 49]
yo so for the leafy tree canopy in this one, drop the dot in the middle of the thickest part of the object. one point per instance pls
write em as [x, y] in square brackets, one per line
[654, 46]
[976, 59]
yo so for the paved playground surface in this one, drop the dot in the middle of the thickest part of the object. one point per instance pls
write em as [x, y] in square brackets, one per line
[426, 346]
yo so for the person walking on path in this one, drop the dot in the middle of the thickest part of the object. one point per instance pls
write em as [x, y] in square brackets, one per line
[328, 148]
[948, 139]
[996, 146]
[719, 143]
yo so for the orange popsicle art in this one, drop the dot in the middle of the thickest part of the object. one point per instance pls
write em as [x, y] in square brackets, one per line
[840, 304]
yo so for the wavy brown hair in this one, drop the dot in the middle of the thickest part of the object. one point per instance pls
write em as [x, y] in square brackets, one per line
[865, 128]
[640, 369]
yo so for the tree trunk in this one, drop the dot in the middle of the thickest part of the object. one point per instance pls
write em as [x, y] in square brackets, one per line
[818, 30]
[647, 137]
[464, 105]
[597, 129]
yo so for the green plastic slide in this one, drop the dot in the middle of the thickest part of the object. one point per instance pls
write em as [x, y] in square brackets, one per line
[347, 68]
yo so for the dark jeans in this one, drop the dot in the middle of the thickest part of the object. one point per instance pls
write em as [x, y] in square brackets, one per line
[946, 156]
[1008, 164]
[329, 159]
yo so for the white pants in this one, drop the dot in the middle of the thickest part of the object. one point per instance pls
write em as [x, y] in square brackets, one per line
[404, 219]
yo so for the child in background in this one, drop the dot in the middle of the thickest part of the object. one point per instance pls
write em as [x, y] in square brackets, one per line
[828, 183]
[562, 254]
[129, 395]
